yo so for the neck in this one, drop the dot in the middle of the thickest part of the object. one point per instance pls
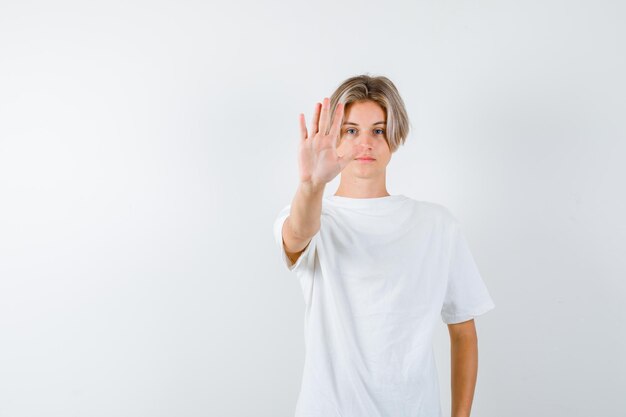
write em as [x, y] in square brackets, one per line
[362, 187]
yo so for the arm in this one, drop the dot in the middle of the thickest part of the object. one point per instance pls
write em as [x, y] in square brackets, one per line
[303, 220]
[318, 163]
[464, 366]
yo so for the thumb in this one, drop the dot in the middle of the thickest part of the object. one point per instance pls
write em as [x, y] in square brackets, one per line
[348, 157]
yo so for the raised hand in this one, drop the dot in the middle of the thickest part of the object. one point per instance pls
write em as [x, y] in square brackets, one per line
[318, 160]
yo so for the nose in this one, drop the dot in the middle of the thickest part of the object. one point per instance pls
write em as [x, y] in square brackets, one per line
[366, 139]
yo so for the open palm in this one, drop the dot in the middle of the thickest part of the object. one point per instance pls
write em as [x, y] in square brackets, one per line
[317, 154]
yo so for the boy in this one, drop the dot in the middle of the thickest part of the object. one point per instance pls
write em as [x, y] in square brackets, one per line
[376, 270]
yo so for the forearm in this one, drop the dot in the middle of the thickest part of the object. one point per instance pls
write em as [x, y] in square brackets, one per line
[464, 367]
[306, 210]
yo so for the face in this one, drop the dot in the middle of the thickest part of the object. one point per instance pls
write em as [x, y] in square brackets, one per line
[364, 127]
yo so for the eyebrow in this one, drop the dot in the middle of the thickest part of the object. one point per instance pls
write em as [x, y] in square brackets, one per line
[355, 124]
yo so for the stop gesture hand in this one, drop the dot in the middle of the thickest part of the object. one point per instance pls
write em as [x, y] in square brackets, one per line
[318, 160]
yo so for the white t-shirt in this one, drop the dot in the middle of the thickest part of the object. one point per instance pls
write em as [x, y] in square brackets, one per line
[375, 279]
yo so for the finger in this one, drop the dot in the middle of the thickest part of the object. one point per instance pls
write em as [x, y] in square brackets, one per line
[324, 117]
[303, 133]
[315, 120]
[337, 119]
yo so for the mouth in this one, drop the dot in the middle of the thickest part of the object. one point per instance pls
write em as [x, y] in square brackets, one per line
[365, 159]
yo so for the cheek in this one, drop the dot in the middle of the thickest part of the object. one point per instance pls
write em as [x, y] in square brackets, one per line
[384, 151]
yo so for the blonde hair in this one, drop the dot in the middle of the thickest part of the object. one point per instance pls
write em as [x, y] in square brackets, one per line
[382, 91]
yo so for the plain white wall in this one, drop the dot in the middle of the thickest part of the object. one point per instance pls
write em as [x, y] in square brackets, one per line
[146, 148]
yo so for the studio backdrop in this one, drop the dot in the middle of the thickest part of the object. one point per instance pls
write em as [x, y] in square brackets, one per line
[147, 147]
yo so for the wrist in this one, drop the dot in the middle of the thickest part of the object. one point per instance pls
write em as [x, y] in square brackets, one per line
[312, 187]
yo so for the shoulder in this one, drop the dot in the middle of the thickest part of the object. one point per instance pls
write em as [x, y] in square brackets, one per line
[436, 211]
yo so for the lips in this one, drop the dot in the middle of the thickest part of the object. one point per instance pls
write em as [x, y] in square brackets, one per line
[365, 158]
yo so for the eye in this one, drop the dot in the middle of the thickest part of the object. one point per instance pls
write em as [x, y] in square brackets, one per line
[382, 131]
[349, 129]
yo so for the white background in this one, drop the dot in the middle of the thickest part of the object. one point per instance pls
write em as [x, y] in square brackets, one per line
[146, 148]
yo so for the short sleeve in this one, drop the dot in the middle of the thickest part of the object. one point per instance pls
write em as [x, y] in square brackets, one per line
[305, 261]
[466, 294]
